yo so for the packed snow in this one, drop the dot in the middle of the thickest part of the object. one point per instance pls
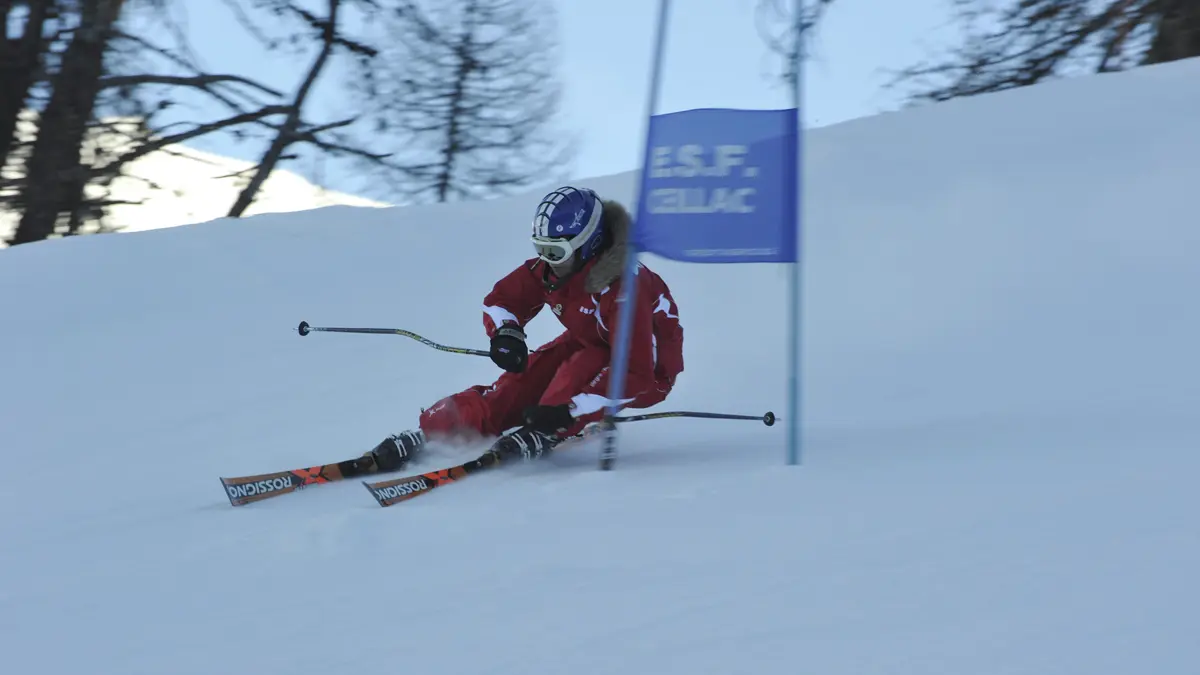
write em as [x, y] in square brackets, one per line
[1000, 443]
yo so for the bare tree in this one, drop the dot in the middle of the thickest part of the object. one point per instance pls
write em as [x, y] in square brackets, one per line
[107, 74]
[53, 170]
[90, 69]
[143, 81]
[293, 129]
[785, 25]
[1176, 33]
[21, 61]
[467, 93]
[1023, 42]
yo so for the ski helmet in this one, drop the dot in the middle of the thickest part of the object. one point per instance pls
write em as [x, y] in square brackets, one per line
[568, 227]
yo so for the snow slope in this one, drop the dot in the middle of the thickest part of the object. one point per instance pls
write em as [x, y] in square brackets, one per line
[1001, 451]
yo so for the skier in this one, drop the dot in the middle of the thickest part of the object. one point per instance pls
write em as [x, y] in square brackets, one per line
[560, 388]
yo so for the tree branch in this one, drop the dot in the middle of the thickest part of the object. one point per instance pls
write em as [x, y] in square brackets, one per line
[1034, 40]
[159, 143]
[198, 81]
[287, 131]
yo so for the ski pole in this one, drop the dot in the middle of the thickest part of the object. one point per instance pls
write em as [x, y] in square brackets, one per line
[767, 419]
[305, 329]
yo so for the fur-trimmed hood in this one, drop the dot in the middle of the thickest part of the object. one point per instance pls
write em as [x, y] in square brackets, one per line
[611, 262]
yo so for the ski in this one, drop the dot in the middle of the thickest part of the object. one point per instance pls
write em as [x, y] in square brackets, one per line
[396, 490]
[243, 490]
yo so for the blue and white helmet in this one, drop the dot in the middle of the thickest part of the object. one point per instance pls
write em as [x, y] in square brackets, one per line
[568, 227]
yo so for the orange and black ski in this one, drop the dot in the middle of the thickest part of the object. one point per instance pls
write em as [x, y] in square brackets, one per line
[388, 492]
[248, 489]
[243, 490]
[396, 490]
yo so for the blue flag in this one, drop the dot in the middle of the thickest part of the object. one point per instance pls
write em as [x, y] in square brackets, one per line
[720, 186]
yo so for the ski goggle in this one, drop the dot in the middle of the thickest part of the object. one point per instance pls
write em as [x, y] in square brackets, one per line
[554, 251]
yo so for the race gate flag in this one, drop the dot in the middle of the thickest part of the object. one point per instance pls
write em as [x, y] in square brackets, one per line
[720, 187]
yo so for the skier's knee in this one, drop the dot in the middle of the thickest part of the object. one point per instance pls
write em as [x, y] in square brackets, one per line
[459, 415]
[653, 396]
[445, 416]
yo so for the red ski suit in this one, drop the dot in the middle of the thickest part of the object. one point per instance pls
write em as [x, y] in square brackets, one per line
[574, 367]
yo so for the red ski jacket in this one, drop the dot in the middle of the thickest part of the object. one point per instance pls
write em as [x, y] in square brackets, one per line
[586, 305]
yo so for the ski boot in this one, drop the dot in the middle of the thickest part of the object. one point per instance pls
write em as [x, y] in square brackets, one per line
[525, 444]
[393, 453]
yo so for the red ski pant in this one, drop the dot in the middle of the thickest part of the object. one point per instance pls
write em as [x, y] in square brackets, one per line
[554, 374]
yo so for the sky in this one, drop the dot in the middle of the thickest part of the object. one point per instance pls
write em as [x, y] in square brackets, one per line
[715, 57]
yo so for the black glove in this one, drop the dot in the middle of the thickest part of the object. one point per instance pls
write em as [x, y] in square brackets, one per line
[508, 348]
[548, 419]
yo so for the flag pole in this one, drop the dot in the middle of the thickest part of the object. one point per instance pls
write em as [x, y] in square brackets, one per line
[620, 360]
[795, 313]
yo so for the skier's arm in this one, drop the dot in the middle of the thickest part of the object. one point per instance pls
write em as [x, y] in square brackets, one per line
[516, 298]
